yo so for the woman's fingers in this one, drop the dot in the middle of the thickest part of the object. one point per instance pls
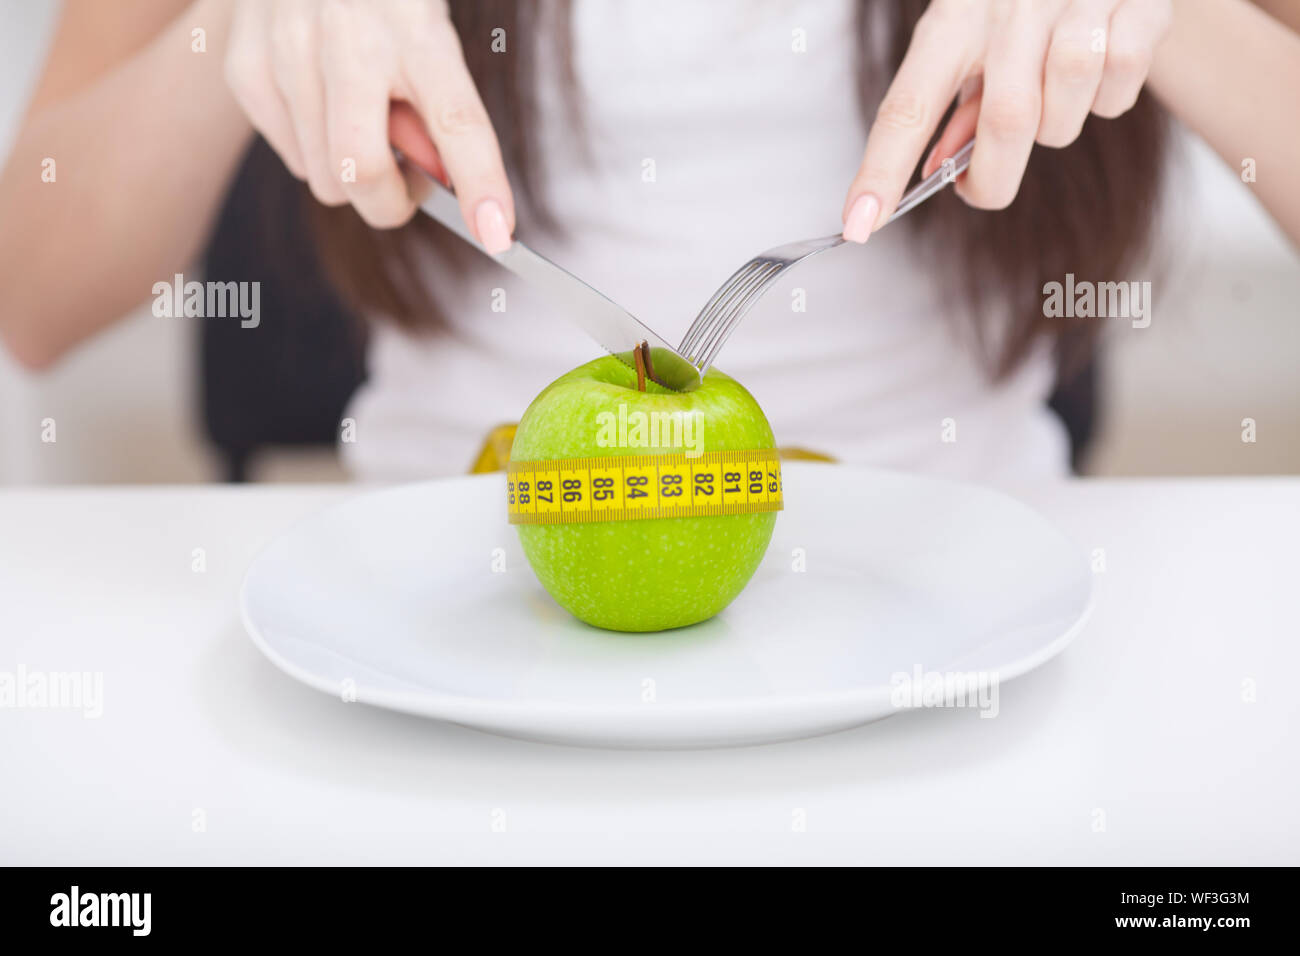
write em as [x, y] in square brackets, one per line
[406, 131]
[248, 74]
[927, 80]
[1136, 27]
[444, 94]
[960, 128]
[1072, 75]
[356, 110]
[1010, 111]
[295, 63]
[333, 86]
[1030, 71]
[358, 137]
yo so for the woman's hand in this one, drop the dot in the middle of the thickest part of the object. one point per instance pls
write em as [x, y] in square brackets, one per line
[1024, 71]
[317, 78]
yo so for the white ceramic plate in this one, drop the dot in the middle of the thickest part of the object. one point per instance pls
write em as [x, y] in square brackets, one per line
[394, 595]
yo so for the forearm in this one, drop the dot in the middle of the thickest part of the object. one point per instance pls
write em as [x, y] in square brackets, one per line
[1231, 73]
[141, 158]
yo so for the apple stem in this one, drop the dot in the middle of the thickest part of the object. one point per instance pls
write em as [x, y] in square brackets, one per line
[639, 354]
[645, 354]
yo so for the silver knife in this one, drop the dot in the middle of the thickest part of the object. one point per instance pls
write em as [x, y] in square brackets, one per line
[613, 327]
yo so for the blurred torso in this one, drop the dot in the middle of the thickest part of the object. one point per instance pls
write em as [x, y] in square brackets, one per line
[709, 138]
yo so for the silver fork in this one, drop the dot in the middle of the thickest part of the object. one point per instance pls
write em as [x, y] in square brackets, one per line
[735, 297]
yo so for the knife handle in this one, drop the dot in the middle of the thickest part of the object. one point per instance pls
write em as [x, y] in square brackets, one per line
[435, 199]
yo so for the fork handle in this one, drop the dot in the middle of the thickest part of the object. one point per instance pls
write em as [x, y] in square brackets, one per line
[935, 181]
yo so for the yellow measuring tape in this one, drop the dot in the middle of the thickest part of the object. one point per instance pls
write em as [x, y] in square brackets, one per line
[573, 490]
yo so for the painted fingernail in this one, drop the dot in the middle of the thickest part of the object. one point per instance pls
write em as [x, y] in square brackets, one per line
[861, 218]
[490, 222]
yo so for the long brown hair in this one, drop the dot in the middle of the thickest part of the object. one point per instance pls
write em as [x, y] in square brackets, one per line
[1087, 209]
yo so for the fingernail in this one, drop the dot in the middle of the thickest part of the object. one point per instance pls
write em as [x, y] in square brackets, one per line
[490, 222]
[861, 218]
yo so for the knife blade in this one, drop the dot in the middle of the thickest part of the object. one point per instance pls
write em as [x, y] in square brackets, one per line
[615, 329]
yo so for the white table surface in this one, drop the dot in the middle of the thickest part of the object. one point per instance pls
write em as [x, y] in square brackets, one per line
[1141, 725]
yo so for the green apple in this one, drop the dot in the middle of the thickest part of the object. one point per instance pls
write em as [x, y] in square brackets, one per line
[648, 574]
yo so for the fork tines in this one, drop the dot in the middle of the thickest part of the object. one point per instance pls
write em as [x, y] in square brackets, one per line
[726, 308]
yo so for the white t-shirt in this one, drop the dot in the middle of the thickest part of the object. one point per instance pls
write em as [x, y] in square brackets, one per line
[710, 137]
